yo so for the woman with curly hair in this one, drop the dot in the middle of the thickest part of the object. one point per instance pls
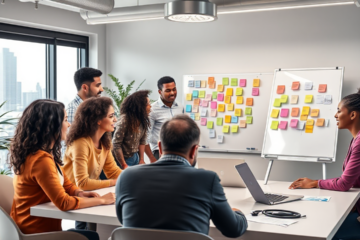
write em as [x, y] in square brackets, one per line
[131, 130]
[35, 157]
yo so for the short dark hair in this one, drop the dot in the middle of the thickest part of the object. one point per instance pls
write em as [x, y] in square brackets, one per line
[164, 80]
[352, 102]
[179, 134]
[84, 75]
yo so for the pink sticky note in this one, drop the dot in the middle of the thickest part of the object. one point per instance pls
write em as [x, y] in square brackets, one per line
[204, 103]
[283, 125]
[220, 97]
[294, 123]
[208, 97]
[242, 83]
[213, 105]
[213, 113]
[255, 91]
[284, 112]
[203, 122]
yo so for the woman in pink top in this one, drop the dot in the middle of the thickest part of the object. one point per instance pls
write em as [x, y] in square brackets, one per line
[347, 117]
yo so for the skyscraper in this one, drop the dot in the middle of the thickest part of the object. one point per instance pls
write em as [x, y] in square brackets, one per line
[8, 79]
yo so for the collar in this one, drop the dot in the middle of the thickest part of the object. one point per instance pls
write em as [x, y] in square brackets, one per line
[173, 158]
[162, 104]
[78, 99]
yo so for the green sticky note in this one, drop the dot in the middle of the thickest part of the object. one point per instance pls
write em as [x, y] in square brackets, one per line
[239, 91]
[225, 81]
[214, 95]
[210, 124]
[284, 98]
[249, 119]
[234, 128]
[274, 125]
[219, 121]
[277, 102]
[226, 128]
[248, 111]
[201, 94]
[234, 82]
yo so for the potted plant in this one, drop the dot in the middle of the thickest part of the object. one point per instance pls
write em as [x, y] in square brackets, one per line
[4, 138]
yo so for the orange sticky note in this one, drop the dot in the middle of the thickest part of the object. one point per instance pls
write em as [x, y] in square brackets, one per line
[197, 101]
[280, 89]
[227, 119]
[295, 112]
[303, 117]
[221, 108]
[309, 129]
[249, 101]
[211, 80]
[315, 112]
[320, 122]
[295, 86]
[220, 88]
[243, 123]
[322, 88]
[212, 85]
[256, 82]
[227, 99]
[239, 100]
[229, 92]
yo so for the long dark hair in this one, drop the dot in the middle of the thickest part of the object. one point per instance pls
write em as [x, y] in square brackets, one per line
[39, 126]
[352, 102]
[86, 118]
[134, 108]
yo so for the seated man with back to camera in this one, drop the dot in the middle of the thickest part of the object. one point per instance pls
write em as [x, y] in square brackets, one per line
[171, 194]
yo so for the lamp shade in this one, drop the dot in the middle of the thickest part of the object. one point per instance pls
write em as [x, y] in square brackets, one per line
[190, 11]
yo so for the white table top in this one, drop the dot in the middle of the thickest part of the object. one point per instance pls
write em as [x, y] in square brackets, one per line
[322, 220]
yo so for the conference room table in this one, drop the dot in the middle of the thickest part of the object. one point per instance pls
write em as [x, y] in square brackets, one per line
[322, 220]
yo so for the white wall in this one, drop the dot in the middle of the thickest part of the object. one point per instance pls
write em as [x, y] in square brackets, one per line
[248, 42]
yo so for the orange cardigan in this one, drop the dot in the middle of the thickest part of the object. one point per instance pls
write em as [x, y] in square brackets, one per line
[39, 183]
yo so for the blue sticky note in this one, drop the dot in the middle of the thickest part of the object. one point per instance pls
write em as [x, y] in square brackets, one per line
[188, 108]
[191, 83]
[198, 84]
[192, 116]
[195, 94]
[234, 119]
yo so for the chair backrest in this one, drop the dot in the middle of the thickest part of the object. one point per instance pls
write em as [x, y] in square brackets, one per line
[155, 234]
[6, 192]
[8, 228]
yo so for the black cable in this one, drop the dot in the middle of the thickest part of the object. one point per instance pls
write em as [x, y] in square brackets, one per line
[278, 213]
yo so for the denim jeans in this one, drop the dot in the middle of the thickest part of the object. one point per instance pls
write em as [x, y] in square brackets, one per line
[350, 229]
[132, 161]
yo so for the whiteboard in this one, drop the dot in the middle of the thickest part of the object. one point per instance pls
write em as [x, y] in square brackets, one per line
[249, 137]
[295, 144]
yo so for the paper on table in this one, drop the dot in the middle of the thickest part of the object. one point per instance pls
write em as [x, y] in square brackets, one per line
[256, 82]
[220, 138]
[255, 91]
[269, 220]
[229, 92]
[221, 108]
[191, 83]
[213, 113]
[234, 82]
[308, 85]
[275, 113]
[319, 99]
[220, 97]
[328, 99]
[239, 100]
[242, 82]
[225, 81]
[227, 99]
[230, 107]
[203, 84]
[203, 112]
[316, 198]
[294, 99]
[220, 88]
[219, 121]
[197, 83]
[212, 133]
[238, 112]
[239, 91]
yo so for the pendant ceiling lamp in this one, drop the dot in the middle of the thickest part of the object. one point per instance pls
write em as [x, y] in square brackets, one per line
[190, 11]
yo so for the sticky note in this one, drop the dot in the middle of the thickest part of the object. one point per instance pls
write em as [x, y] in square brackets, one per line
[234, 128]
[256, 82]
[188, 97]
[301, 125]
[248, 111]
[229, 92]
[195, 94]
[308, 98]
[284, 98]
[230, 107]
[213, 105]
[214, 95]
[192, 116]
[275, 113]
[315, 112]
[283, 125]
[320, 122]
[305, 111]
[197, 116]
[204, 103]
[238, 112]
[203, 112]
[322, 88]
[277, 102]
[197, 83]
[243, 123]
[249, 101]
[219, 121]
[211, 80]
[308, 86]
[310, 122]
[203, 84]
[234, 119]
[274, 125]
[220, 97]
[220, 139]
[208, 97]
[242, 83]
[234, 82]
[197, 101]
[210, 124]
[249, 119]
[221, 108]
[328, 99]
[309, 129]
[295, 86]
[225, 81]
[195, 109]
[212, 85]
[203, 121]
[294, 123]
[295, 112]
[294, 99]
[280, 89]
[226, 129]
[227, 99]
[239, 100]
[227, 119]
[239, 91]
[327, 122]
[191, 83]
[202, 94]
[255, 91]
[212, 133]
[303, 117]
[220, 88]
[213, 113]
[319, 99]
[284, 112]
[188, 108]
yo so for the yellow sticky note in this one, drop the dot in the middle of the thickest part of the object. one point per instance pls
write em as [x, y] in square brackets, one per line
[227, 99]
[315, 112]
[234, 128]
[284, 98]
[305, 111]
[221, 107]
[309, 129]
[210, 124]
[310, 122]
[308, 98]
[239, 92]
[220, 88]
[197, 116]
[188, 97]
[277, 102]
[230, 107]
[219, 121]
[227, 119]
[229, 92]
[238, 112]
[249, 119]
[256, 82]
[226, 129]
[239, 100]
[274, 125]
[203, 84]
[303, 117]
[275, 113]
[202, 94]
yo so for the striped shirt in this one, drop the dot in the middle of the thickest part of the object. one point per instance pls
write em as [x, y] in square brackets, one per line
[71, 109]
[173, 158]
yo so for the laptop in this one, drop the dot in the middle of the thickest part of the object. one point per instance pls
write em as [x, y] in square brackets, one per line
[224, 169]
[257, 192]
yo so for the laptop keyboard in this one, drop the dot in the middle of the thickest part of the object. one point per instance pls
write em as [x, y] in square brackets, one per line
[275, 197]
